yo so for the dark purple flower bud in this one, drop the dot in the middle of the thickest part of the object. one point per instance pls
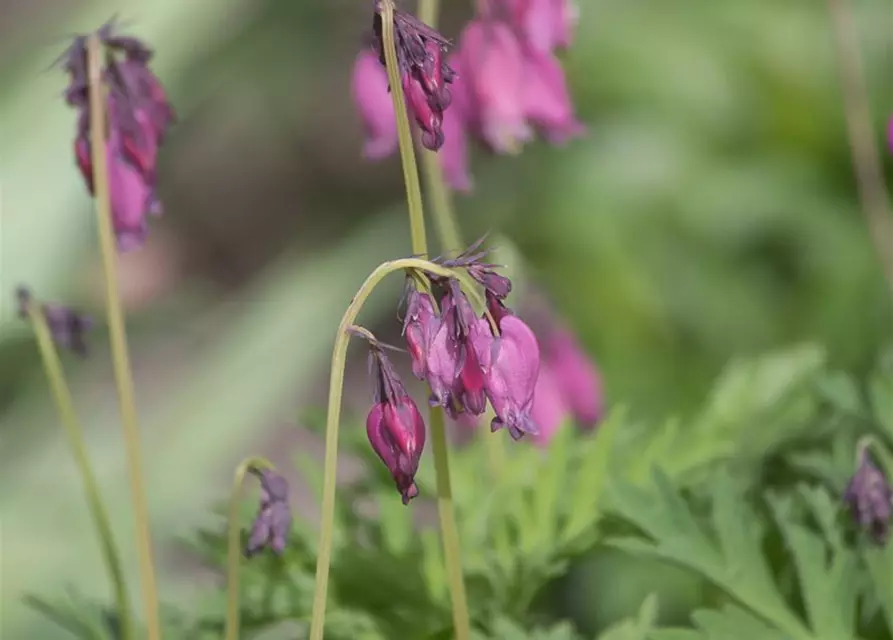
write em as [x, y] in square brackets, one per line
[68, 328]
[424, 72]
[139, 116]
[510, 364]
[395, 427]
[419, 326]
[870, 499]
[273, 521]
[472, 259]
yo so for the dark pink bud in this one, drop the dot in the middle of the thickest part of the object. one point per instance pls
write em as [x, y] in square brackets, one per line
[419, 326]
[429, 119]
[396, 432]
[370, 94]
[139, 116]
[576, 375]
[511, 366]
[549, 410]
[546, 99]
[434, 77]
[394, 426]
[471, 392]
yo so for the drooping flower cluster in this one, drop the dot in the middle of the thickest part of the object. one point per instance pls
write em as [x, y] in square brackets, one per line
[272, 523]
[869, 497]
[467, 359]
[138, 115]
[68, 328]
[424, 74]
[506, 82]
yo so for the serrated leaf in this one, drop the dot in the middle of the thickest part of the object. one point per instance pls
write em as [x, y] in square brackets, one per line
[828, 588]
[638, 628]
[677, 537]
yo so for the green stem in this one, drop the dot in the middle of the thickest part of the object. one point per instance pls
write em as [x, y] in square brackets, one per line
[118, 337]
[333, 421]
[75, 434]
[863, 146]
[404, 134]
[234, 547]
[448, 528]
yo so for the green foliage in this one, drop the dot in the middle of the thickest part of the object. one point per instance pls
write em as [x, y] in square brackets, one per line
[745, 495]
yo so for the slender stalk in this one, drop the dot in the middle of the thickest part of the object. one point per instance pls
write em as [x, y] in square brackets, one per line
[333, 420]
[404, 134]
[440, 198]
[448, 528]
[866, 157]
[118, 337]
[75, 435]
[234, 547]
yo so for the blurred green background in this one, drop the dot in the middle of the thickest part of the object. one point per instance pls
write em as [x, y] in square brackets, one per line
[711, 212]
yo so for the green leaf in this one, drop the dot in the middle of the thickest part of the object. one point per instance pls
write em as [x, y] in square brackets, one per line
[638, 628]
[733, 563]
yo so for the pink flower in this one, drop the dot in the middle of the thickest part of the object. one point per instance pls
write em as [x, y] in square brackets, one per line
[493, 64]
[419, 326]
[575, 375]
[549, 410]
[547, 102]
[510, 364]
[370, 94]
[546, 24]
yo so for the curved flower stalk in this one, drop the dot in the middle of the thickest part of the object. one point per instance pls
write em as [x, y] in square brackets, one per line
[55, 325]
[270, 528]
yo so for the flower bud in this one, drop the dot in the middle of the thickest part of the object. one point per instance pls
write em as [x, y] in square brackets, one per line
[370, 94]
[870, 499]
[272, 524]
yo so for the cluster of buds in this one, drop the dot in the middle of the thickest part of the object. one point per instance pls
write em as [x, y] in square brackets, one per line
[869, 497]
[424, 76]
[138, 115]
[67, 327]
[272, 523]
[466, 358]
[506, 82]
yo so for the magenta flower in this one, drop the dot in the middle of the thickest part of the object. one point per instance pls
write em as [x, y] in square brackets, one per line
[510, 365]
[546, 24]
[493, 62]
[547, 102]
[394, 426]
[423, 71]
[370, 93]
[575, 375]
[549, 410]
[139, 116]
[419, 326]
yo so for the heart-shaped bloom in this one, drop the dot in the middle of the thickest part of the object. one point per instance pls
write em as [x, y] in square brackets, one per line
[370, 94]
[272, 524]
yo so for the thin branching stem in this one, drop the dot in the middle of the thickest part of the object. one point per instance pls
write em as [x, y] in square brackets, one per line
[333, 421]
[118, 337]
[234, 546]
[75, 434]
[863, 146]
